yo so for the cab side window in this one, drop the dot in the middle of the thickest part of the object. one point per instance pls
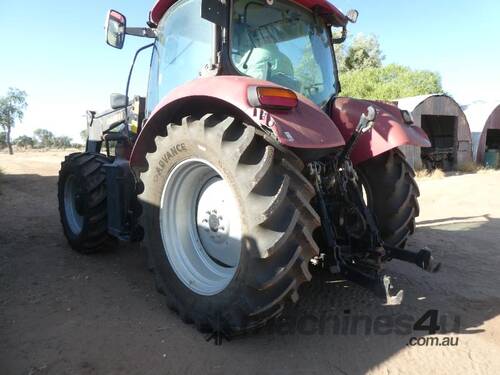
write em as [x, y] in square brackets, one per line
[184, 45]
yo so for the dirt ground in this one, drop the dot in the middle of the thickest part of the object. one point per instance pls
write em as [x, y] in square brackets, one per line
[64, 313]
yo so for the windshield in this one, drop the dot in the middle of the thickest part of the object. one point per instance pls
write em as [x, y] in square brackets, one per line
[285, 44]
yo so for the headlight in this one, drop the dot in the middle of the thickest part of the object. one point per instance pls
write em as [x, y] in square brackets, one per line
[407, 116]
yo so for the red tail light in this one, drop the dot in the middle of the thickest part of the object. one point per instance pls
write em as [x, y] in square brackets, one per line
[272, 97]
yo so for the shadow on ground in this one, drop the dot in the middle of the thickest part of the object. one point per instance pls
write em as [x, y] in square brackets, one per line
[61, 312]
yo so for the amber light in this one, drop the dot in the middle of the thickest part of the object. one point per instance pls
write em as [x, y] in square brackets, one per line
[117, 16]
[272, 97]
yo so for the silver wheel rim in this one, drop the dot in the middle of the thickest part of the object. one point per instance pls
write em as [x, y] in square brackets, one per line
[73, 218]
[200, 224]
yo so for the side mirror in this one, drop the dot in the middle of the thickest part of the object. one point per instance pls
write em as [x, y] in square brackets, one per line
[352, 15]
[116, 24]
[118, 101]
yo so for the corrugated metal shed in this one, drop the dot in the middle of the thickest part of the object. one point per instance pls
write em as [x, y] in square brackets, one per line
[481, 115]
[439, 111]
[412, 102]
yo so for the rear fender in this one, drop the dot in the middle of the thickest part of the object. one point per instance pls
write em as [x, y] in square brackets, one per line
[389, 130]
[303, 127]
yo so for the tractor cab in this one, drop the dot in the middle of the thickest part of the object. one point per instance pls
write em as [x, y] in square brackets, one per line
[284, 42]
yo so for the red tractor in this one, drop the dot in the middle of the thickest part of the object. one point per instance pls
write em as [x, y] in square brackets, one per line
[243, 167]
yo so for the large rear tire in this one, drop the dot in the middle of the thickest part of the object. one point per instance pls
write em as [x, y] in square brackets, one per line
[82, 201]
[392, 193]
[228, 224]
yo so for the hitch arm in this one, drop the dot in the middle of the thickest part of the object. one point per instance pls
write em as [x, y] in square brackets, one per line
[422, 259]
[326, 223]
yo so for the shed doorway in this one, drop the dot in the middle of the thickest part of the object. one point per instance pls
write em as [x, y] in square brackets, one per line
[493, 139]
[442, 132]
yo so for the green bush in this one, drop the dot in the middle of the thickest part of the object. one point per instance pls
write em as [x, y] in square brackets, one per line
[24, 141]
[389, 82]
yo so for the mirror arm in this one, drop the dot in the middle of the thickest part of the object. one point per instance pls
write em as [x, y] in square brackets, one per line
[144, 32]
[342, 37]
[128, 83]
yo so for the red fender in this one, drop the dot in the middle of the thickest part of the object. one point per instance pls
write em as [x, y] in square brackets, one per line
[305, 126]
[389, 130]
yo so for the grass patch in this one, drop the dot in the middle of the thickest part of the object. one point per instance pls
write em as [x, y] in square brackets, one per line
[469, 167]
[464, 168]
[475, 168]
[434, 174]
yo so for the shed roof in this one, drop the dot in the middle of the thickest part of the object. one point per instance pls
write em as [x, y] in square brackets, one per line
[412, 102]
[477, 113]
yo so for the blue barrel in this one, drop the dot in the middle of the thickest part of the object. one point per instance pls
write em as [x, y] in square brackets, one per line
[492, 159]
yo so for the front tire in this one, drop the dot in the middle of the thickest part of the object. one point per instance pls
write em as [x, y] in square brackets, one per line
[264, 224]
[82, 201]
[392, 194]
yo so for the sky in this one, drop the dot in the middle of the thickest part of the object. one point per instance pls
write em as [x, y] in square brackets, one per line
[55, 51]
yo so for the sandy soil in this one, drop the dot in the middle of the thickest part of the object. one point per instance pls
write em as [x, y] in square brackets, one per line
[64, 313]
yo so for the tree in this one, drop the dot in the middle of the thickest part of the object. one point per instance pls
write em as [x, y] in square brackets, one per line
[340, 57]
[364, 52]
[84, 135]
[62, 142]
[389, 82]
[12, 108]
[44, 138]
[24, 141]
[362, 74]
[3, 142]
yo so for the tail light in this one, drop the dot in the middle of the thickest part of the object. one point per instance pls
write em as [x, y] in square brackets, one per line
[272, 97]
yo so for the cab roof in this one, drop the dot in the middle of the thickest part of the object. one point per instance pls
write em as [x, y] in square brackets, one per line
[326, 9]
